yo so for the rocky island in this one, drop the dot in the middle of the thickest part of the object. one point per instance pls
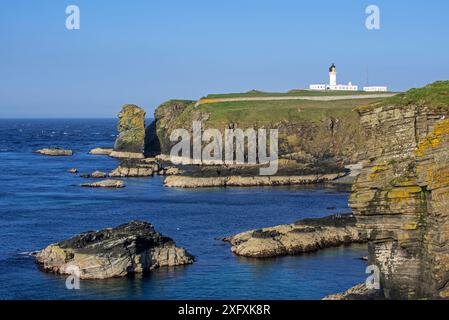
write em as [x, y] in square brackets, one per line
[304, 236]
[135, 247]
[55, 152]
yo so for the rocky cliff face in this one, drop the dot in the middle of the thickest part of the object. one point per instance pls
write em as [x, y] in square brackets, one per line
[401, 197]
[131, 130]
[308, 132]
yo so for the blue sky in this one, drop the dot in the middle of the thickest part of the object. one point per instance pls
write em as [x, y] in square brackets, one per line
[146, 52]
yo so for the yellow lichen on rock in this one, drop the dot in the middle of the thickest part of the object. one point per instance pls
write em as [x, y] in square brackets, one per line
[434, 139]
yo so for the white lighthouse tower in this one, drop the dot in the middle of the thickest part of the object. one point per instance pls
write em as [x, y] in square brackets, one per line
[333, 85]
[332, 75]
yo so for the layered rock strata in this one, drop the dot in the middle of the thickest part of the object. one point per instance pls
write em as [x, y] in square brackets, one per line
[401, 197]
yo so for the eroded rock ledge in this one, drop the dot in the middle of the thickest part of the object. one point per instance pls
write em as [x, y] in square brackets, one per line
[245, 181]
[301, 237]
[134, 247]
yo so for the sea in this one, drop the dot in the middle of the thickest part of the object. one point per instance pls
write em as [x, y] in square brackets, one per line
[41, 203]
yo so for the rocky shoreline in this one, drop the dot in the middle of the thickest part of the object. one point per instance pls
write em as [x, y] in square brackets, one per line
[304, 236]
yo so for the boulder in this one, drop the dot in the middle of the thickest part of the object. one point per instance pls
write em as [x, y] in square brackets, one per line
[73, 170]
[55, 152]
[105, 184]
[131, 132]
[135, 247]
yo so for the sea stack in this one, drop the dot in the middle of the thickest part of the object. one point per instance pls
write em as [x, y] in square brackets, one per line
[131, 129]
[134, 247]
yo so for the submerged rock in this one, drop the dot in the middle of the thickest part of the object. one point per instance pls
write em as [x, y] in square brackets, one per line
[131, 137]
[105, 184]
[130, 248]
[301, 237]
[101, 151]
[55, 152]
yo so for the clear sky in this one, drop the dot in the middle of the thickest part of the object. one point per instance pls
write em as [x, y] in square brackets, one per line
[148, 51]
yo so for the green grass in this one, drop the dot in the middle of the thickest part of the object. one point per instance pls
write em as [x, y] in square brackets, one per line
[292, 93]
[435, 95]
[265, 112]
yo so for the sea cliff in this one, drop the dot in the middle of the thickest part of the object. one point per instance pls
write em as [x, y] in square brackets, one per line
[401, 196]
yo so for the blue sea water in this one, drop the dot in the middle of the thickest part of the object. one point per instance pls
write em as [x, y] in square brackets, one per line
[40, 203]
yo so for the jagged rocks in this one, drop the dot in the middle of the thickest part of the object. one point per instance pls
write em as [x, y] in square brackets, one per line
[73, 171]
[131, 128]
[55, 152]
[401, 196]
[301, 237]
[105, 184]
[134, 247]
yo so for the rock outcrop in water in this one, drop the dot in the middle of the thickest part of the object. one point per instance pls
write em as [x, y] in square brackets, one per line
[301, 237]
[131, 128]
[136, 168]
[101, 151]
[115, 184]
[134, 247]
[55, 152]
[401, 197]
[179, 181]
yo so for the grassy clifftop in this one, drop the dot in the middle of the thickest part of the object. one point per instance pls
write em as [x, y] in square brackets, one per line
[435, 95]
[291, 93]
[269, 112]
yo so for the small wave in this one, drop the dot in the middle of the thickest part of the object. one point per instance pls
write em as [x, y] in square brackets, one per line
[28, 253]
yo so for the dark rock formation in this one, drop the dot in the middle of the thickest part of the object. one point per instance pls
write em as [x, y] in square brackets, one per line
[401, 196]
[301, 237]
[134, 247]
[131, 130]
[157, 139]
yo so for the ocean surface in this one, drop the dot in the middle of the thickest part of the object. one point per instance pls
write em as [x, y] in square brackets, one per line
[40, 203]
